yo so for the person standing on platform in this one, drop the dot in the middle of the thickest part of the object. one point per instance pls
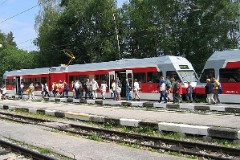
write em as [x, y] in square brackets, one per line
[216, 86]
[94, 88]
[209, 92]
[128, 91]
[31, 91]
[180, 92]
[54, 89]
[175, 90]
[21, 90]
[66, 89]
[73, 89]
[136, 89]
[168, 89]
[189, 93]
[77, 86]
[162, 88]
[114, 89]
[3, 91]
[103, 89]
[88, 89]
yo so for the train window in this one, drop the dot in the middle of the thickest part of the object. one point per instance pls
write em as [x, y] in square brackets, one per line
[153, 77]
[229, 75]
[172, 74]
[73, 78]
[141, 77]
[188, 75]
[207, 74]
[43, 80]
[83, 78]
[104, 77]
[9, 81]
[97, 78]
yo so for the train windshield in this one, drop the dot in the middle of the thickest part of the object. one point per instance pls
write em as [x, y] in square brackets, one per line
[188, 75]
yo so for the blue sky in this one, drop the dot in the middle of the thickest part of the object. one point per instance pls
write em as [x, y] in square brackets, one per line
[22, 25]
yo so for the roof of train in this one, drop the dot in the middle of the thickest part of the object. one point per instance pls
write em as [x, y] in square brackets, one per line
[228, 55]
[219, 58]
[127, 63]
[123, 63]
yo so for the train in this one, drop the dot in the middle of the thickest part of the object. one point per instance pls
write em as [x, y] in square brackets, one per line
[225, 67]
[147, 71]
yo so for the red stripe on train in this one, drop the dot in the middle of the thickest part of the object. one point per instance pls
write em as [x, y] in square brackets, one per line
[233, 64]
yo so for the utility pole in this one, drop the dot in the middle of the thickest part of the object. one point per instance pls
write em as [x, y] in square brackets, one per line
[116, 31]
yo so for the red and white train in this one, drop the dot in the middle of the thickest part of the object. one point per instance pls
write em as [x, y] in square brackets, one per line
[147, 71]
[224, 66]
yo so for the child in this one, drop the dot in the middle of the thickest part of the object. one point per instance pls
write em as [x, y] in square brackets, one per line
[103, 89]
[4, 91]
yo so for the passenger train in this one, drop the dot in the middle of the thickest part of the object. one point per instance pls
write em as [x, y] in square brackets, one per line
[225, 67]
[147, 71]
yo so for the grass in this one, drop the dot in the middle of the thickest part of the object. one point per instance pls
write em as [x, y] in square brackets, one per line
[140, 130]
[45, 151]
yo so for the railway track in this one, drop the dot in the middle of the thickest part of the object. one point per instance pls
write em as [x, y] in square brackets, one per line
[157, 143]
[12, 151]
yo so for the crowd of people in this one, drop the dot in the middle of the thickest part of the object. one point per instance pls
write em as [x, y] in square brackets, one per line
[213, 88]
[167, 86]
[88, 89]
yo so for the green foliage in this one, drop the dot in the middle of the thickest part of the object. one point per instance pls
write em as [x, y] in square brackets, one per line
[12, 58]
[94, 31]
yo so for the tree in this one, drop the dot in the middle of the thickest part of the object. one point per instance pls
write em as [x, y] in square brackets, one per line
[190, 28]
[10, 39]
[10, 55]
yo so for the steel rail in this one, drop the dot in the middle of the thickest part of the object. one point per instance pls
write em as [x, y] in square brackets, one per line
[184, 147]
[24, 151]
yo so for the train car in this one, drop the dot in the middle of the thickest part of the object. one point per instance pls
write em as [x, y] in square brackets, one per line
[225, 67]
[147, 71]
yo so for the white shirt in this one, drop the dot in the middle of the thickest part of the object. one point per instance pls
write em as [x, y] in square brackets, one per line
[103, 87]
[94, 85]
[136, 86]
[163, 87]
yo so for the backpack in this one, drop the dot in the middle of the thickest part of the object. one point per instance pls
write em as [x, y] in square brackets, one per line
[168, 85]
[219, 88]
[176, 87]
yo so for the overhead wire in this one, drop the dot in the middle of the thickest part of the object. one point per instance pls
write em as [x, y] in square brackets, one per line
[19, 13]
[3, 2]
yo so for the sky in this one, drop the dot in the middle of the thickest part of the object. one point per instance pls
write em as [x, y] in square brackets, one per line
[18, 16]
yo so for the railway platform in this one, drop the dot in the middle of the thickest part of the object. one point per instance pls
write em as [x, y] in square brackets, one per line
[184, 118]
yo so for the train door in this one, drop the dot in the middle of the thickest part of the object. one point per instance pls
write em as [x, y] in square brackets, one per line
[18, 82]
[121, 75]
[129, 76]
[111, 77]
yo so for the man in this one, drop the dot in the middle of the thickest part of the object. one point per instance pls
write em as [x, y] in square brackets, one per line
[168, 88]
[209, 92]
[94, 88]
[175, 89]
[128, 90]
[189, 93]
[216, 90]
[162, 87]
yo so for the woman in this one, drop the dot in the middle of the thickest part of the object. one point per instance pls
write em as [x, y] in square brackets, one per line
[136, 89]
